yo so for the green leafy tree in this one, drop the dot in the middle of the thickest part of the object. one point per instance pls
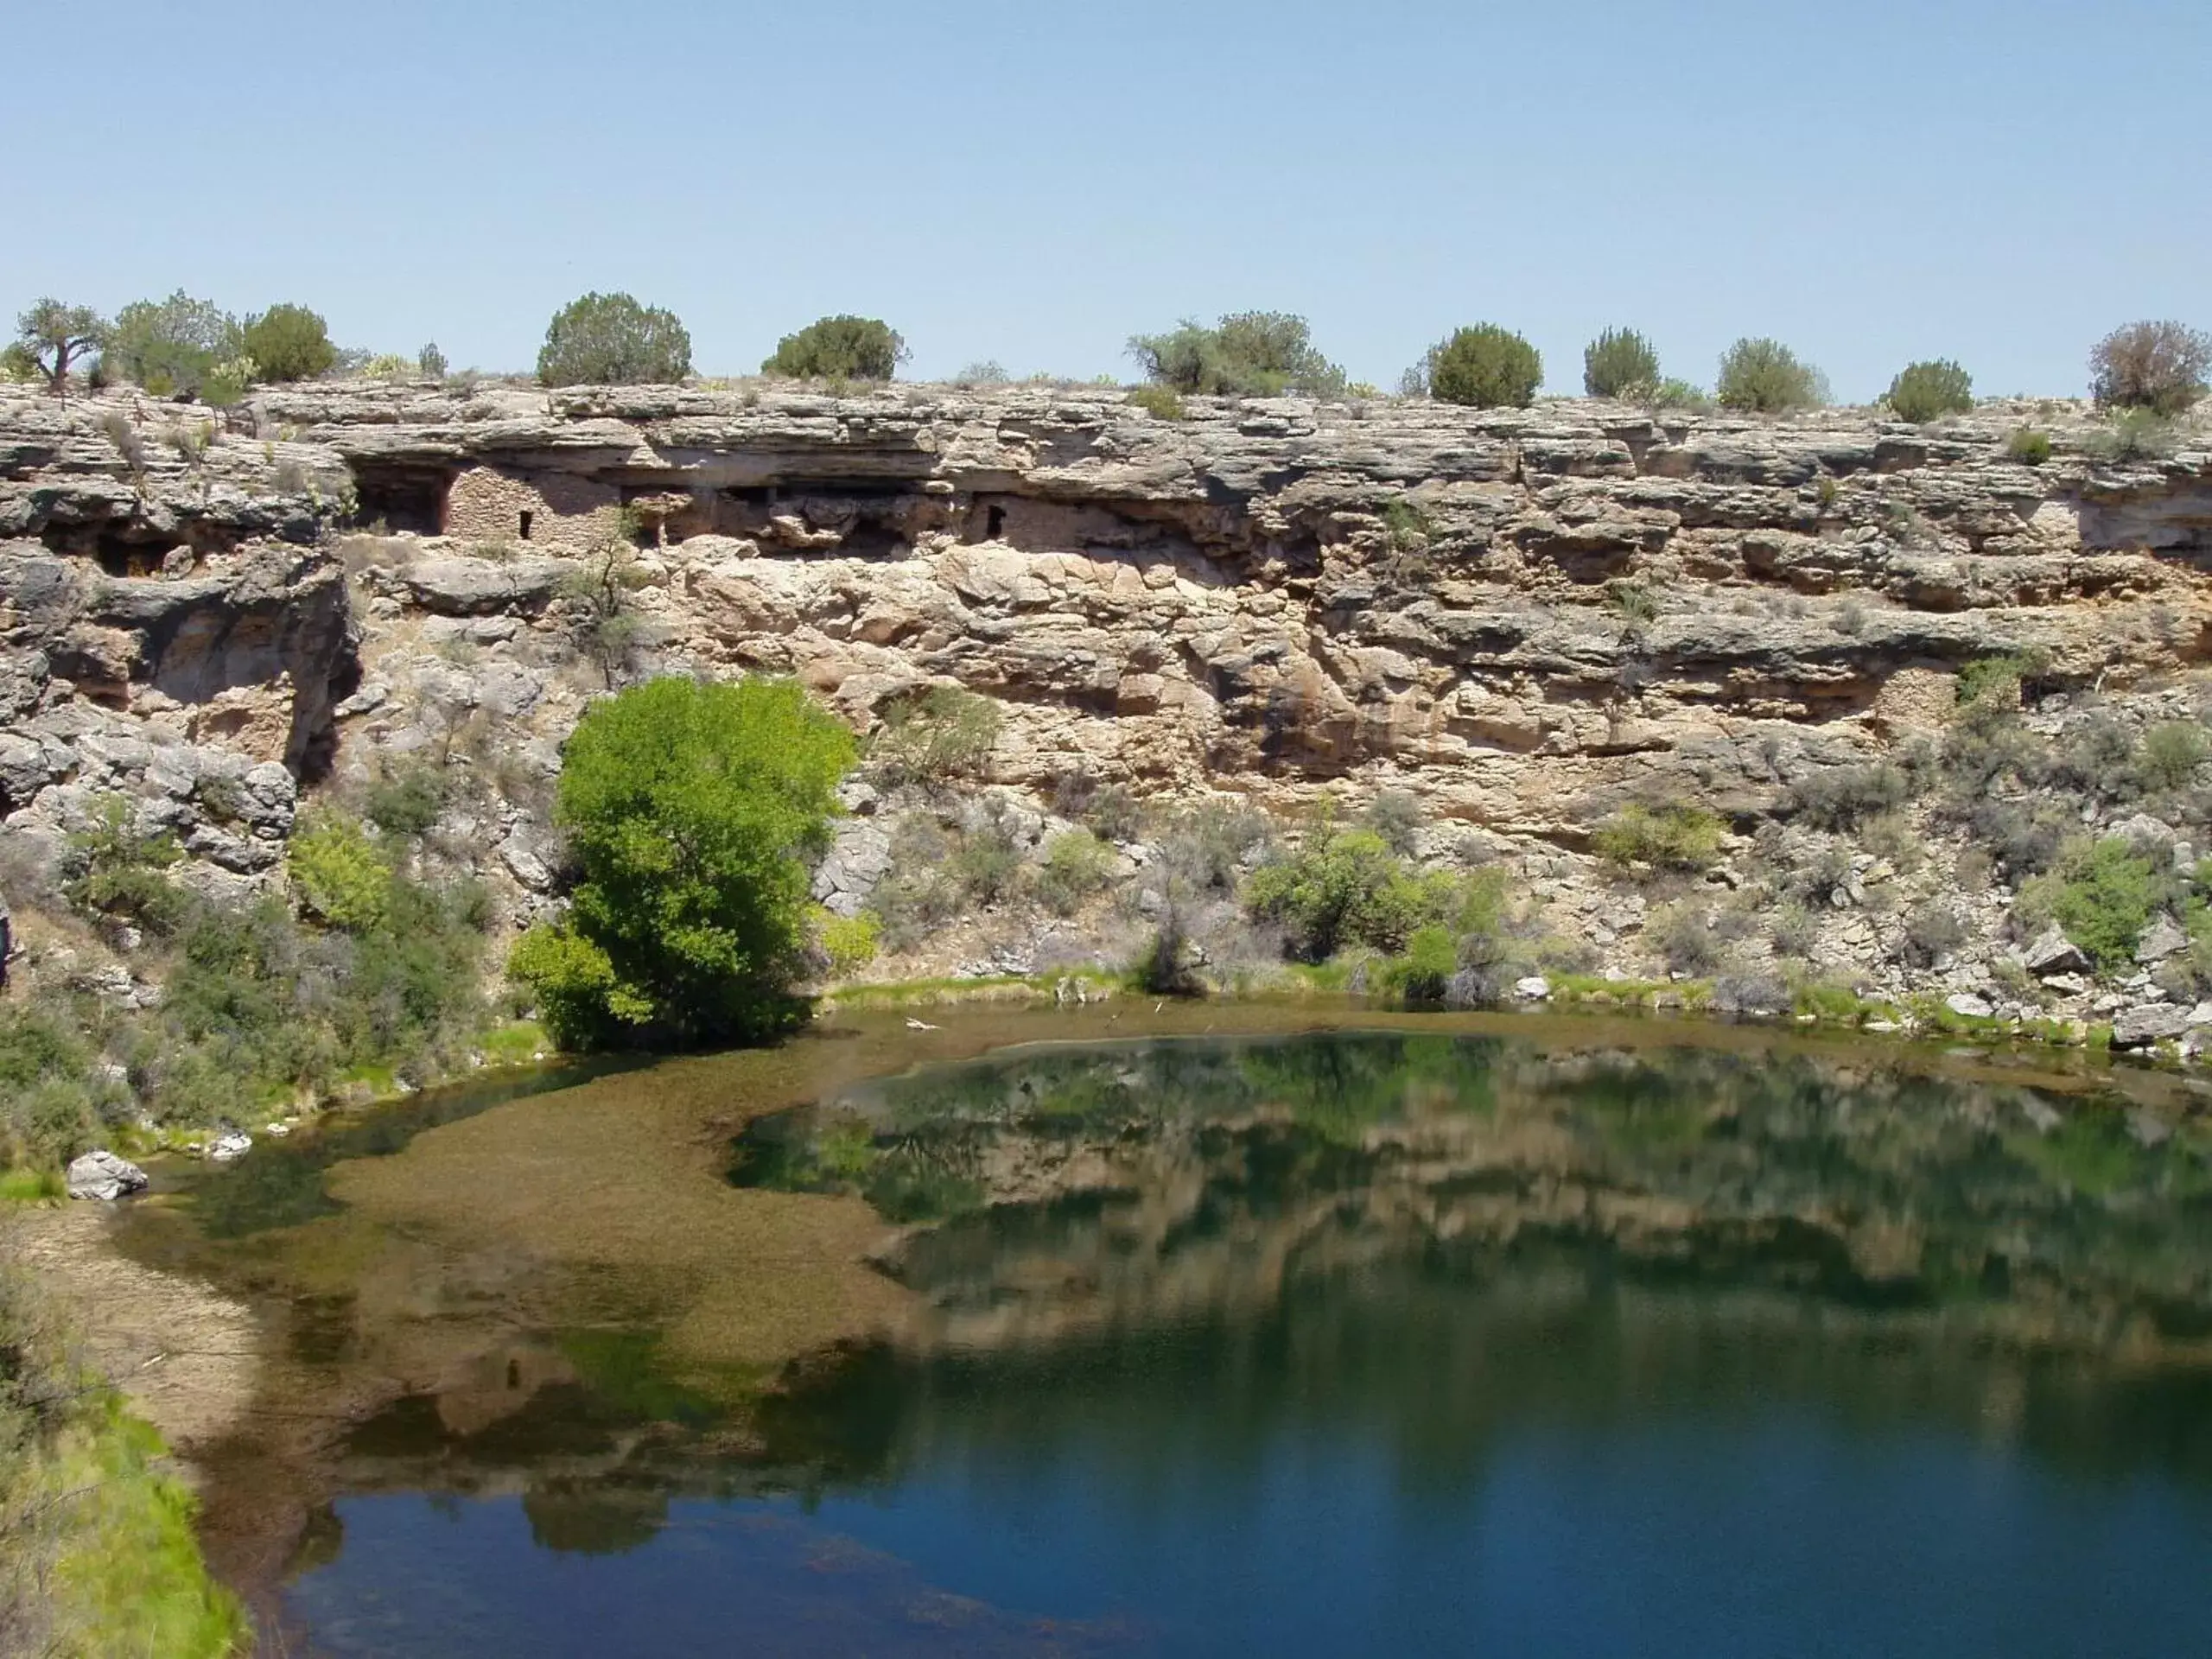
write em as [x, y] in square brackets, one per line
[289, 342]
[839, 348]
[2103, 893]
[1245, 354]
[1923, 391]
[1766, 377]
[54, 335]
[1485, 367]
[172, 344]
[1620, 363]
[689, 809]
[609, 339]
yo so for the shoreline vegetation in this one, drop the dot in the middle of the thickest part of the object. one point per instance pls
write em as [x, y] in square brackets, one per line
[98, 1551]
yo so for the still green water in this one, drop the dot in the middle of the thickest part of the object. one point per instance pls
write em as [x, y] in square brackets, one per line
[1373, 1343]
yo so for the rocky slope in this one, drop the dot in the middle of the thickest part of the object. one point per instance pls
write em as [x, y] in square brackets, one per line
[1521, 618]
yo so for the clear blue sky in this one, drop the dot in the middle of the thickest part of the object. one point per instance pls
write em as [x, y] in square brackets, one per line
[1996, 181]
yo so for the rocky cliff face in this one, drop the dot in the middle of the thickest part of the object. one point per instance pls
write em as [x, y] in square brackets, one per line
[1521, 617]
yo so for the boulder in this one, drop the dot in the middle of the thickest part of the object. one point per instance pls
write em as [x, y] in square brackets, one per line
[1535, 988]
[2152, 1022]
[231, 1145]
[1968, 1006]
[2054, 953]
[103, 1176]
[477, 586]
[2160, 940]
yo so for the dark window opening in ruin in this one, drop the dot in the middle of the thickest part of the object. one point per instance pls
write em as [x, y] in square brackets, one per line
[524, 525]
[994, 522]
[410, 499]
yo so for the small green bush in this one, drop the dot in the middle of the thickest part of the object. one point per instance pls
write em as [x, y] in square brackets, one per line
[341, 876]
[1424, 971]
[1485, 367]
[985, 863]
[838, 348]
[1247, 354]
[2100, 757]
[406, 798]
[1679, 394]
[2159, 367]
[1997, 680]
[1930, 934]
[1343, 886]
[1638, 604]
[1672, 836]
[1686, 939]
[1619, 363]
[849, 942]
[1408, 524]
[1842, 797]
[943, 733]
[2134, 433]
[1109, 810]
[1203, 849]
[2103, 893]
[1161, 402]
[2028, 447]
[1076, 866]
[1793, 931]
[2171, 753]
[1925, 391]
[289, 342]
[117, 871]
[1396, 815]
[609, 339]
[430, 362]
[1765, 376]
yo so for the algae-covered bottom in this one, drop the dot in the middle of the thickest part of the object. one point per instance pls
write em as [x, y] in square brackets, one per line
[1459, 1336]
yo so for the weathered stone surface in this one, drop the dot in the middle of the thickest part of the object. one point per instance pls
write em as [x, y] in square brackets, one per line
[102, 1176]
[2139, 1027]
[1969, 1005]
[2052, 952]
[475, 587]
[2160, 940]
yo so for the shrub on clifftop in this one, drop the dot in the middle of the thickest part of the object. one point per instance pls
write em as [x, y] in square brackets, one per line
[689, 809]
[289, 342]
[1620, 363]
[1766, 377]
[1245, 354]
[1485, 367]
[1924, 390]
[172, 344]
[609, 339]
[2161, 367]
[839, 348]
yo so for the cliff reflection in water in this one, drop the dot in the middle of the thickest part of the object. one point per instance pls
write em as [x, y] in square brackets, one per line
[1057, 1192]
